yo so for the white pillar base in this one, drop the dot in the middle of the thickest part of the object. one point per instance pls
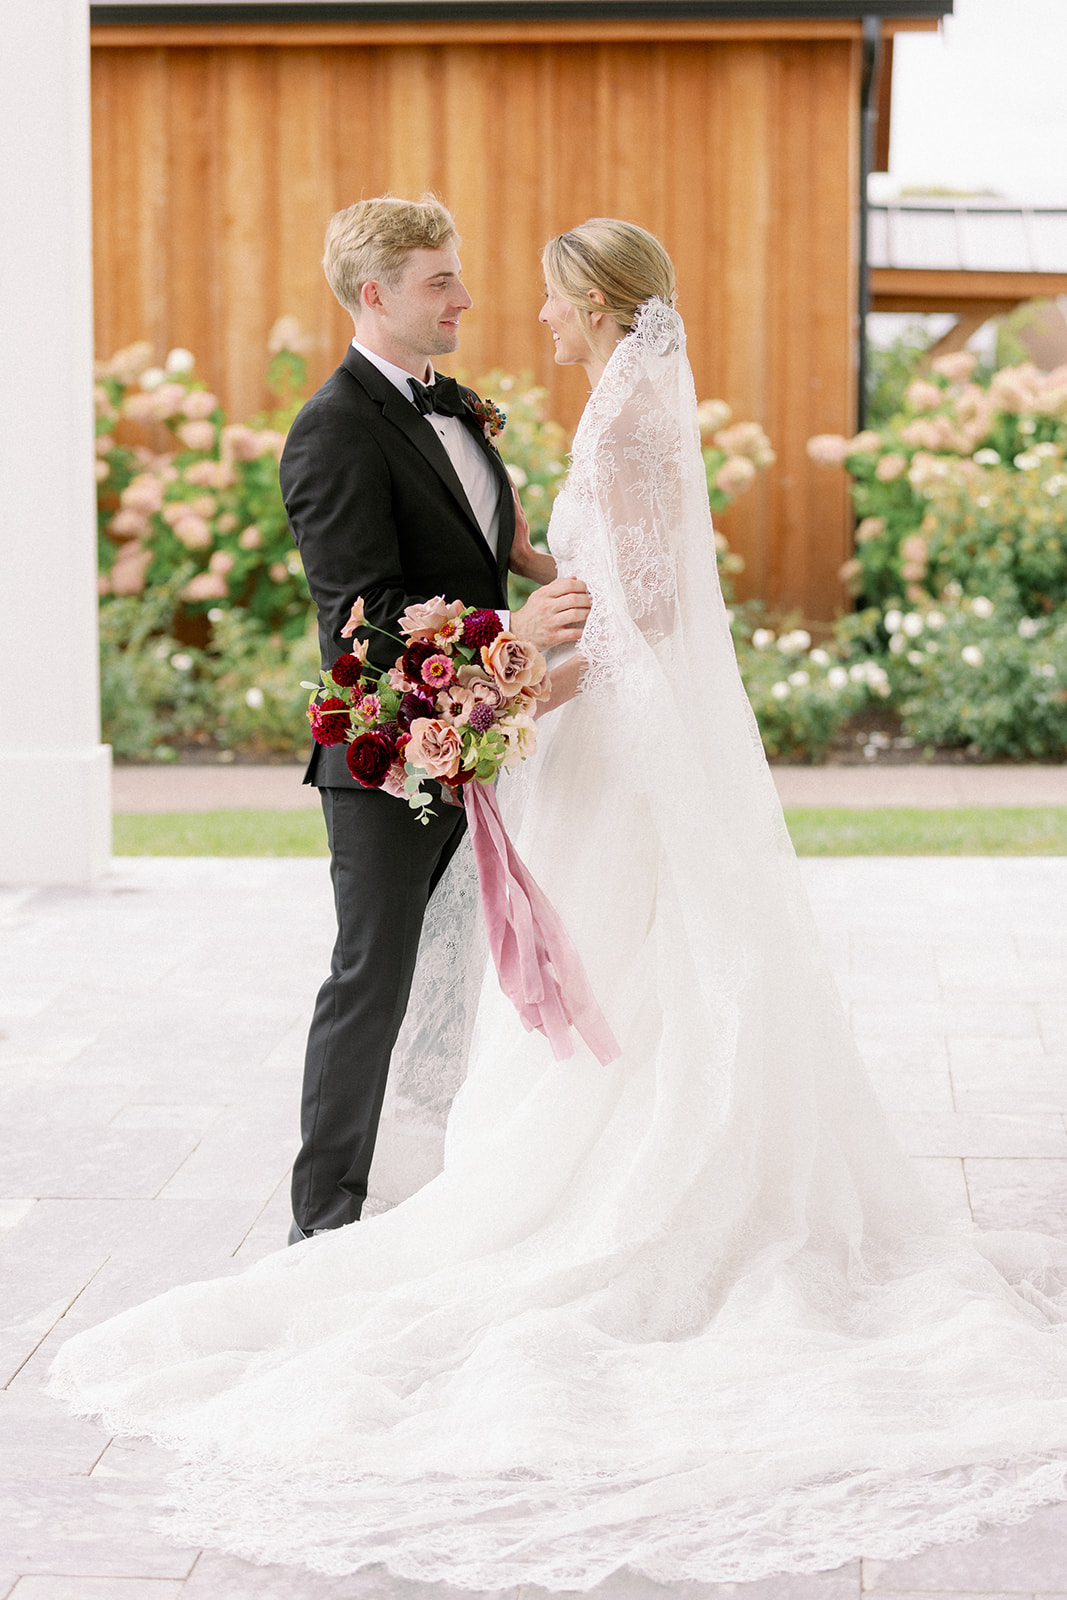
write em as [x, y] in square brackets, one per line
[55, 815]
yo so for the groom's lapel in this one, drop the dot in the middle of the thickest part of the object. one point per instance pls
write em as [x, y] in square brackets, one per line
[403, 415]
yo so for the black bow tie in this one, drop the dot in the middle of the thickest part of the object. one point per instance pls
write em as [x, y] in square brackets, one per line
[442, 396]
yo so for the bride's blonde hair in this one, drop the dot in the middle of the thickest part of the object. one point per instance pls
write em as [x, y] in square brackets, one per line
[627, 264]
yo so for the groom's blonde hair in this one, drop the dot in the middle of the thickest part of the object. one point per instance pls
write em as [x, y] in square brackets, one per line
[374, 238]
[625, 263]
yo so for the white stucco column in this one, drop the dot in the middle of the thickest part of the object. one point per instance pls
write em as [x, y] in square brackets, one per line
[55, 775]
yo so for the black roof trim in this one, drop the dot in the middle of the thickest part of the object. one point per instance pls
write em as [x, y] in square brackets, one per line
[230, 11]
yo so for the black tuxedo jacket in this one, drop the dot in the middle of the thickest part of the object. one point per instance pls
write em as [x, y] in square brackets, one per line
[376, 509]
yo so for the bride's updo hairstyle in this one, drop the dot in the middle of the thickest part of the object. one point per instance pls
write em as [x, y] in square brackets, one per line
[625, 263]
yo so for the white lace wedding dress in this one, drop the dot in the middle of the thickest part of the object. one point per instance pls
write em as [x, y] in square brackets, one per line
[690, 1314]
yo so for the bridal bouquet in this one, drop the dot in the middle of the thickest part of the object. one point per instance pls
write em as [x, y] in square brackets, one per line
[455, 708]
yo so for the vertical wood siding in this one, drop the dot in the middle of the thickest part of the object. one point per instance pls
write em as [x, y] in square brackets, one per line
[217, 167]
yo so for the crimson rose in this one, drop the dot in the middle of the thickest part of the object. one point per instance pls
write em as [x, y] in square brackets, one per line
[369, 757]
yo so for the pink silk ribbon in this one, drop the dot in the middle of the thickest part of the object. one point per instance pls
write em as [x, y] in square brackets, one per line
[539, 969]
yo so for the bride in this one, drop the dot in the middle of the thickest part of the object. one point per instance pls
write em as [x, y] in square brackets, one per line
[690, 1314]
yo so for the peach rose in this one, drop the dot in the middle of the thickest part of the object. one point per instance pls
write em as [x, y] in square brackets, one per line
[513, 663]
[393, 782]
[435, 747]
[423, 620]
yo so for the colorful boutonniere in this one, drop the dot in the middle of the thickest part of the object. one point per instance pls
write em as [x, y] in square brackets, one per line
[492, 419]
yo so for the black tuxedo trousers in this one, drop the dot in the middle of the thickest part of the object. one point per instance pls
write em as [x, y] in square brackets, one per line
[376, 510]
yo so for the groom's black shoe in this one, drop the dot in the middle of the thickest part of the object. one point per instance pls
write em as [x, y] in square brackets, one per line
[296, 1233]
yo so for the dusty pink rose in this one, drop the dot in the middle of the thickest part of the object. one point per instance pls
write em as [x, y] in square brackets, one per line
[355, 617]
[221, 562]
[128, 573]
[206, 586]
[251, 538]
[193, 532]
[435, 747]
[513, 663]
[828, 449]
[427, 617]
[199, 404]
[541, 690]
[890, 467]
[127, 524]
[197, 435]
[143, 493]
[393, 782]
[483, 689]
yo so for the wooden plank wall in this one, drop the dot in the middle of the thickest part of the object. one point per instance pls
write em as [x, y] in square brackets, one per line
[216, 167]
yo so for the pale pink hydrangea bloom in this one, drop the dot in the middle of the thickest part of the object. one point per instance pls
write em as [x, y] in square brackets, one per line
[206, 586]
[221, 562]
[238, 442]
[251, 538]
[735, 474]
[269, 442]
[199, 404]
[128, 573]
[128, 363]
[138, 408]
[197, 435]
[192, 531]
[128, 524]
[227, 522]
[867, 443]
[101, 469]
[143, 493]
[921, 395]
[711, 416]
[287, 334]
[746, 439]
[167, 401]
[870, 528]
[201, 473]
[956, 367]
[890, 467]
[278, 572]
[828, 449]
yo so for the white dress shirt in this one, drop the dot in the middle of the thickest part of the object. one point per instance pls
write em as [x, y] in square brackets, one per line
[472, 469]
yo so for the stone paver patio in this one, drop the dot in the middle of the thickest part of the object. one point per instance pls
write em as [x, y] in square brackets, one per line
[153, 1029]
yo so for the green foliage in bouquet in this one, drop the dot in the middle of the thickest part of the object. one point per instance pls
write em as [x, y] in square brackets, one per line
[966, 483]
[207, 503]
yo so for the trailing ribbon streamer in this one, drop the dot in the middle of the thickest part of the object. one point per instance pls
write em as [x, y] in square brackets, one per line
[539, 969]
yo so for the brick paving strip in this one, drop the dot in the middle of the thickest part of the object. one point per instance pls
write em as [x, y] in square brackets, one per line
[151, 1036]
[279, 788]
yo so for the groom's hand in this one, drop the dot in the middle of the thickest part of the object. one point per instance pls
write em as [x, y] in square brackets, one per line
[554, 614]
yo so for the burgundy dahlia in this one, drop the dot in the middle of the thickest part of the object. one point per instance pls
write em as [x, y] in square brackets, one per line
[329, 721]
[346, 671]
[481, 627]
[413, 706]
[481, 718]
[418, 651]
[369, 757]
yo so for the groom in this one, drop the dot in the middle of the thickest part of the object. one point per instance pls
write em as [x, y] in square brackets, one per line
[393, 493]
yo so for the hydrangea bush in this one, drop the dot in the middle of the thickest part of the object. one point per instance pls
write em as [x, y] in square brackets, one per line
[180, 489]
[966, 484]
[968, 671]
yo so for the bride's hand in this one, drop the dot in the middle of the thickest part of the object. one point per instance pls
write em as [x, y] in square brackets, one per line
[525, 561]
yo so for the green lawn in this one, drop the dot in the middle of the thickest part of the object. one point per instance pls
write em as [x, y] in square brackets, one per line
[880, 831]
